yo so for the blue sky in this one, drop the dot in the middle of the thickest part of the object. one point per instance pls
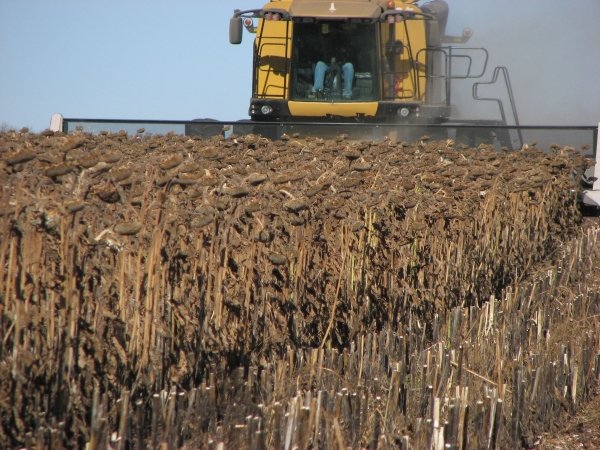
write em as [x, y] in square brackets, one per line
[172, 60]
[120, 59]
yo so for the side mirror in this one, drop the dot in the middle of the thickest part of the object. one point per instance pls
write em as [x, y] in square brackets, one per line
[235, 30]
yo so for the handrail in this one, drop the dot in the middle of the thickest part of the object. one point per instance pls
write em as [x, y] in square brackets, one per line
[497, 71]
[467, 54]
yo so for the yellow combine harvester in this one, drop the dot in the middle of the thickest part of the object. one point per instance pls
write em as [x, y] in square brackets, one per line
[366, 60]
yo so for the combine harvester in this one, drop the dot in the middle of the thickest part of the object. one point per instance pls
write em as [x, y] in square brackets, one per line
[369, 69]
[373, 62]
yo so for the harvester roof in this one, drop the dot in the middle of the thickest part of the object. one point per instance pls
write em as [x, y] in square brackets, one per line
[346, 9]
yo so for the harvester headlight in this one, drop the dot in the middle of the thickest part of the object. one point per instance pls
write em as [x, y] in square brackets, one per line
[266, 109]
[404, 112]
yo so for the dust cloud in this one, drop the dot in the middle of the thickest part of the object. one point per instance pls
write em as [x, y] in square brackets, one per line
[550, 48]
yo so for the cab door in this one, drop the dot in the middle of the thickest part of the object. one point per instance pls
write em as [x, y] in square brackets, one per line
[402, 62]
[272, 52]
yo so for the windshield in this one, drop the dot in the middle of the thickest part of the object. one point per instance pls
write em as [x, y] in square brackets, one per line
[334, 61]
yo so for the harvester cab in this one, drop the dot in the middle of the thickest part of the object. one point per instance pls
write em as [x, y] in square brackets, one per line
[360, 60]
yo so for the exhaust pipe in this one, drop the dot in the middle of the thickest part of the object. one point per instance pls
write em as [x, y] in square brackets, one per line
[439, 9]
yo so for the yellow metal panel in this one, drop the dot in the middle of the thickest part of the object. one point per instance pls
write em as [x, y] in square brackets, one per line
[322, 109]
[285, 5]
[273, 64]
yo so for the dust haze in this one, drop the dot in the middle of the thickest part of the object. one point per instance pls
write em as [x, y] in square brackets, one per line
[550, 48]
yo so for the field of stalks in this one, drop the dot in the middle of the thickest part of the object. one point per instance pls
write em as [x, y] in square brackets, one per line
[172, 292]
